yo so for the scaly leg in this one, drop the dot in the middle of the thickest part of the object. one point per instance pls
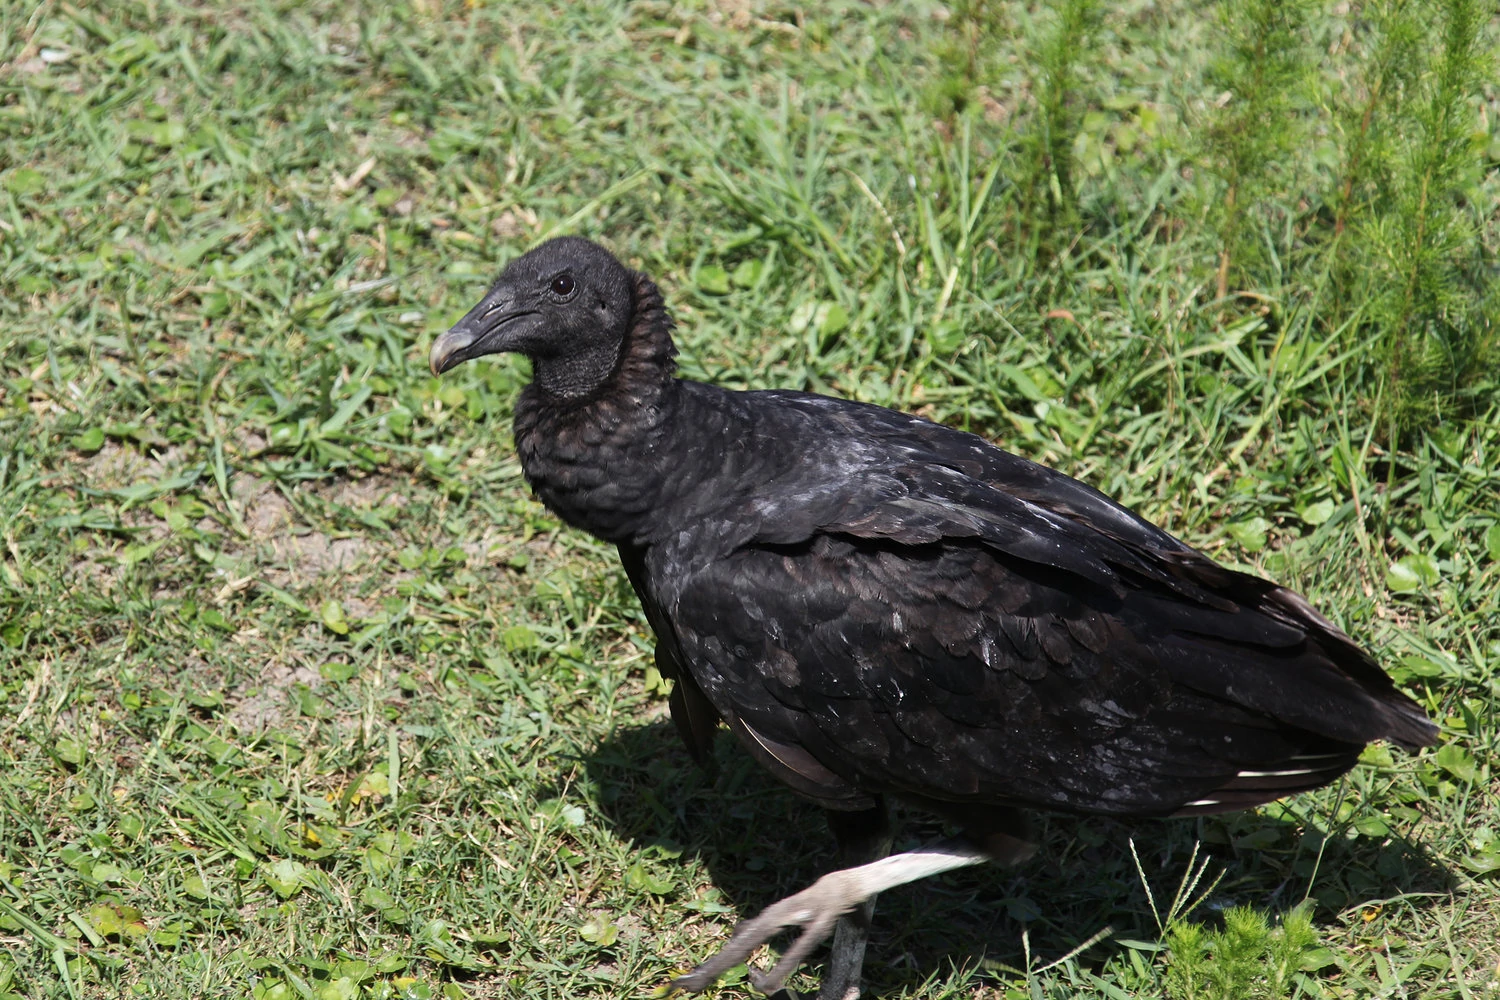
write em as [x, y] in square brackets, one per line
[862, 837]
[818, 907]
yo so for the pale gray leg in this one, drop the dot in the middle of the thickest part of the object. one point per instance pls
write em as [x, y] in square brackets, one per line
[862, 837]
[818, 907]
[846, 956]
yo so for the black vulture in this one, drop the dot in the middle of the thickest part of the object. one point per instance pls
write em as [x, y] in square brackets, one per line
[884, 608]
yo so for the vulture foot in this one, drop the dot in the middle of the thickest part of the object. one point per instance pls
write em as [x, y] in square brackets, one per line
[816, 910]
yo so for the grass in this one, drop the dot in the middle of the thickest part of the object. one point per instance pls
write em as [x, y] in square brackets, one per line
[301, 695]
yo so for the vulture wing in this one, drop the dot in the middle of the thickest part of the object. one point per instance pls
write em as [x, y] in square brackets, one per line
[910, 610]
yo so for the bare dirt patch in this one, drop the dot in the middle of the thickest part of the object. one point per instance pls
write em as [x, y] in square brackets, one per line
[364, 493]
[269, 706]
[116, 465]
[274, 524]
[314, 553]
[265, 511]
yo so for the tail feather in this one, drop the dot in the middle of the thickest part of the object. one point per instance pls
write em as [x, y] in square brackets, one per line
[1254, 787]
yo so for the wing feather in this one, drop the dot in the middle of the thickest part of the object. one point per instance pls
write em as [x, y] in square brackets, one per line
[908, 610]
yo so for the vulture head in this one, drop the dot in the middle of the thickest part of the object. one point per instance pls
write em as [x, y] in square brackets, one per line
[566, 305]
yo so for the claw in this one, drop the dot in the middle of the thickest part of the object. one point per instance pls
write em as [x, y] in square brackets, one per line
[814, 931]
[817, 908]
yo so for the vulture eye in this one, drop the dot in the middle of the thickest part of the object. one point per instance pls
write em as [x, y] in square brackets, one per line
[562, 285]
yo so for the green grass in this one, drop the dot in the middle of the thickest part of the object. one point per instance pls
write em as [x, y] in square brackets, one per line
[301, 695]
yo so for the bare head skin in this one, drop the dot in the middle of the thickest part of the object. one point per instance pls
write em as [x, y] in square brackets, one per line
[565, 305]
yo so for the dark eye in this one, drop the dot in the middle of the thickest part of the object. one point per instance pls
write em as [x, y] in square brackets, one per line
[562, 285]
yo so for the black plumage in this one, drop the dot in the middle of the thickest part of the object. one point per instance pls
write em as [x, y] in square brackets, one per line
[883, 607]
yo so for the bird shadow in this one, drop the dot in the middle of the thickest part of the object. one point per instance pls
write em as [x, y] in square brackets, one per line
[759, 843]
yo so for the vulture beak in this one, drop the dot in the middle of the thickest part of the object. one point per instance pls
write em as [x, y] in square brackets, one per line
[489, 328]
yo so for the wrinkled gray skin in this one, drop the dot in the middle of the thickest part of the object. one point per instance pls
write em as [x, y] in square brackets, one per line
[567, 309]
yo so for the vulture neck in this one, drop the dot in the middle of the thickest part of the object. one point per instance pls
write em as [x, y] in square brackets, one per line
[592, 458]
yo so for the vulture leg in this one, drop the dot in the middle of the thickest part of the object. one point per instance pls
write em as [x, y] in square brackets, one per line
[818, 907]
[862, 837]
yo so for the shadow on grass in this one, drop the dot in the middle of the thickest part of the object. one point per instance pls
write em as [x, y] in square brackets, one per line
[761, 842]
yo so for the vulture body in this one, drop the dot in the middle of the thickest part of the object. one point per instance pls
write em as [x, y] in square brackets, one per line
[881, 607]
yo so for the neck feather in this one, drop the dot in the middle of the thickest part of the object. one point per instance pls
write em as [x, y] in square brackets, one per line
[648, 356]
[593, 458]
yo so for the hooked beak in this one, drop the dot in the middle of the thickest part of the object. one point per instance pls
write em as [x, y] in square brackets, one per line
[483, 330]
